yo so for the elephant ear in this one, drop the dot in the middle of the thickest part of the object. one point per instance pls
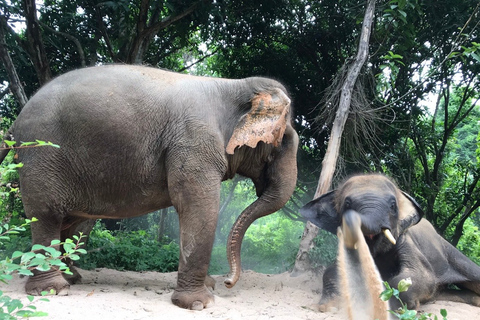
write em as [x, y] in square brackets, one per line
[322, 213]
[409, 211]
[266, 121]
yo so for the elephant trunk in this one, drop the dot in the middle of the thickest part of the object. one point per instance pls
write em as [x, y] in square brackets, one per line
[281, 180]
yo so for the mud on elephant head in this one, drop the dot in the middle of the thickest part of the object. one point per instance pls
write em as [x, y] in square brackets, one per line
[136, 139]
[402, 243]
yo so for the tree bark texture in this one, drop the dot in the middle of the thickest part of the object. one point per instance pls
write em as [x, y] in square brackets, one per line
[15, 84]
[302, 263]
[35, 43]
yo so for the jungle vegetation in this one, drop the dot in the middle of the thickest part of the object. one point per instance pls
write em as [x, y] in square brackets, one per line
[415, 114]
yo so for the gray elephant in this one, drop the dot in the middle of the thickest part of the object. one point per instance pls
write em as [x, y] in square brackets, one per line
[402, 243]
[135, 139]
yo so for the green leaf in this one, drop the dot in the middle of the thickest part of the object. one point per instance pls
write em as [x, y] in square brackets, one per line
[43, 267]
[443, 312]
[9, 143]
[409, 315]
[27, 256]
[17, 254]
[74, 257]
[386, 295]
[55, 242]
[29, 143]
[25, 272]
[404, 284]
[37, 247]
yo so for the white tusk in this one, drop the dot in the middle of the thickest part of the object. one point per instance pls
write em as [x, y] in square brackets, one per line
[389, 236]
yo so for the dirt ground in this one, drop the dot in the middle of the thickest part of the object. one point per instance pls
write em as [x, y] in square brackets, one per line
[108, 294]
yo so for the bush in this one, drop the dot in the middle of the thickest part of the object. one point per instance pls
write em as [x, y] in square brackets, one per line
[270, 246]
[129, 250]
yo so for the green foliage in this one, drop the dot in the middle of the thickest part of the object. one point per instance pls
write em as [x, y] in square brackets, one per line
[11, 309]
[42, 258]
[403, 312]
[129, 250]
[325, 250]
[469, 243]
[271, 244]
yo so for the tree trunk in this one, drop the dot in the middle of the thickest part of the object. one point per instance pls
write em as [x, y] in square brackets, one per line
[161, 224]
[146, 31]
[15, 84]
[469, 209]
[302, 262]
[35, 43]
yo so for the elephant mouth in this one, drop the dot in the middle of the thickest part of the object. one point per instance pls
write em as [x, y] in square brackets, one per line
[373, 237]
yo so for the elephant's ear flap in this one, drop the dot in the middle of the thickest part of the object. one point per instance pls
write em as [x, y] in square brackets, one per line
[266, 121]
[409, 211]
[322, 213]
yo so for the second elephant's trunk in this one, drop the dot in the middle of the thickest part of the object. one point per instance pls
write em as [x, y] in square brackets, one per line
[282, 178]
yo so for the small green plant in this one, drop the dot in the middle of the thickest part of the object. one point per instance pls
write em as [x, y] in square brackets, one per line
[403, 312]
[41, 258]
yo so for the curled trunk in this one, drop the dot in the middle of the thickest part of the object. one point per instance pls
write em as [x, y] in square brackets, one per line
[281, 180]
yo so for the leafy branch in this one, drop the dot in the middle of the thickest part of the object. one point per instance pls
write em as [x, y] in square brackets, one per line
[42, 258]
[403, 312]
[31, 144]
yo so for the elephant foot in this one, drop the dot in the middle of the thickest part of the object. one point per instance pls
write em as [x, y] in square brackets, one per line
[73, 278]
[46, 282]
[194, 300]
[331, 304]
[210, 283]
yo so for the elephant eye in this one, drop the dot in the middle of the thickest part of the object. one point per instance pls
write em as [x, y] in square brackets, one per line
[348, 203]
[393, 205]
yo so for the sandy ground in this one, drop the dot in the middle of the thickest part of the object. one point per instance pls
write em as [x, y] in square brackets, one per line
[108, 294]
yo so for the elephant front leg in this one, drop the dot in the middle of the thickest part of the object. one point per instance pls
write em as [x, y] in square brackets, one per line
[198, 219]
[330, 300]
[423, 289]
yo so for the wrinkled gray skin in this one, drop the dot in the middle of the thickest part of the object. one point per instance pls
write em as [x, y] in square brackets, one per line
[420, 252]
[136, 139]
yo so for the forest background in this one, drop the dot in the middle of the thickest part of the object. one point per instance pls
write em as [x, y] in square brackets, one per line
[415, 112]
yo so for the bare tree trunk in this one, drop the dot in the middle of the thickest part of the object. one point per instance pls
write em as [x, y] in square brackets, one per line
[161, 224]
[15, 85]
[329, 162]
[35, 43]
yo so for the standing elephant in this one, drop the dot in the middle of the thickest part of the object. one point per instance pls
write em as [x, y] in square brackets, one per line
[402, 244]
[135, 139]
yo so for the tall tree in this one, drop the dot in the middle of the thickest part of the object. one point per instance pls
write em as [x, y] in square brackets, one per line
[330, 160]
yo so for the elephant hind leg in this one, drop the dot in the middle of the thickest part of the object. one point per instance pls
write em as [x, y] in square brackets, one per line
[72, 226]
[46, 229]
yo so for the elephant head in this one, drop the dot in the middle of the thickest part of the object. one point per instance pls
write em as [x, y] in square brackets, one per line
[264, 134]
[386, 212]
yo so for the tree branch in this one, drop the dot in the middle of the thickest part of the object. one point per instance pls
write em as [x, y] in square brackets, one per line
[15, 83]
[77, 43]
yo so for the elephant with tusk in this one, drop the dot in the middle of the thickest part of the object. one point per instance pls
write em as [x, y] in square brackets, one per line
[402, 243]
[135, 139]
